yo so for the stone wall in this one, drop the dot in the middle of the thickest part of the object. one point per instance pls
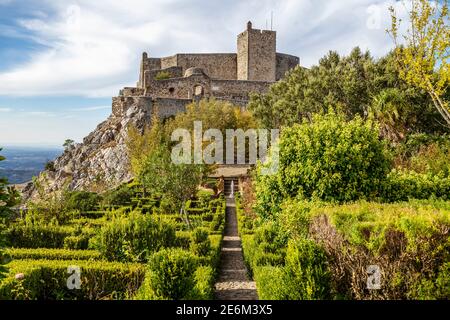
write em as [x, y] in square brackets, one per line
[176, 88]
[262, 55]
[215, 65]
[236, 90]
[121, 105]
[256, 55]
[168, 62]
[285, 62]
[168, 107]
[242, 56]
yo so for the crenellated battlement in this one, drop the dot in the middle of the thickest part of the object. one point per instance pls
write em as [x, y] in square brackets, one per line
[182, 77]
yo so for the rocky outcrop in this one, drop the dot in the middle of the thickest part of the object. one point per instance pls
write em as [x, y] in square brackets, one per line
[100, 160]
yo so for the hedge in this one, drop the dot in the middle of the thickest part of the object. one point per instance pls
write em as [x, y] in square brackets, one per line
[52, 254]
[38, 236]
[405, 185]
[48, 279]
[134, 237]
[408, 241]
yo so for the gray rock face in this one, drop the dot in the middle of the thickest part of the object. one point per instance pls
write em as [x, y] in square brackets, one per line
[101, 159]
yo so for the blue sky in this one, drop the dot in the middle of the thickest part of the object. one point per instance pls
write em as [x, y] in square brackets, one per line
[62, 61]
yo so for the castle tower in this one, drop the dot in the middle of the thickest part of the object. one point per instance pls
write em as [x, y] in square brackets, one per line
[256, 55]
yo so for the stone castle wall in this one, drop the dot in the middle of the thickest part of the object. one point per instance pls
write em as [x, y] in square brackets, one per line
[215, 65]
[242, 56]
[225, 76]
[285, 63]
[261, 55]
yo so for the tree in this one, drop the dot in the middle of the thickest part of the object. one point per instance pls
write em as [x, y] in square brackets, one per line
[68, 143]
[141, 143]
[423, 57]
[345, 83]
[9, 197]
[175, 183]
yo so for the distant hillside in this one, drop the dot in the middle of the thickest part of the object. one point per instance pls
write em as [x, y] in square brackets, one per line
[22, 163]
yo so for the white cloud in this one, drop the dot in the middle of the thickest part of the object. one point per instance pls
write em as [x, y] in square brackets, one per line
[5, 109]
[95, 108]
[94, 49]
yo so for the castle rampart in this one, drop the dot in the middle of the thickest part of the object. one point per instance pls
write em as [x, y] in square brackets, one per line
[172, 82]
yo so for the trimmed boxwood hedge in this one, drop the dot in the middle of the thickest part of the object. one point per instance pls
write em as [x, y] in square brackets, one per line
[47, 280]
[52, 254]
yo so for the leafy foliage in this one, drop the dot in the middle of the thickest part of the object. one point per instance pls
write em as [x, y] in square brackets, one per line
[82, 201]
[172, 274]
[47, 280]
[174, 182]
[356, 85]
[133, 238]
[329, 159]
[423, 59]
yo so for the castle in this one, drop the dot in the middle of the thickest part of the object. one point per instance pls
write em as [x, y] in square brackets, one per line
[170, 83]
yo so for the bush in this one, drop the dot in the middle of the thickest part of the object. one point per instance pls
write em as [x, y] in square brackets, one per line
[82, 201]
[305, 275]
[76, 242]
[216, 249]
[37, 236]
[306, 271]
[405, 185]
[204, 197]
[52, 254]
[218, 220]
[270, 283]
[162, 75]
[47, 280]
[118, 197]
[133, 238]
[200, 243]
[204, 283]
[408, 241]
[183, 239]
[328, 159]
[269, 238]
[172, 274]
[245, 223]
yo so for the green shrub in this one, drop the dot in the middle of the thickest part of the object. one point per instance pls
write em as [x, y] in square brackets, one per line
[218, 220]
[307, 275]
[52, 254]
[118, 197]
[408, 241]
[245, 223]
[47, 280]
[405, 185]
[82, 201]
[133, 238]
[162, 75]
[37, 236]
[328, 159]
[204, 197]
[215, 251]
[433, 289]
[76, 242]
[172, 274]
[200, 243]
[204, 283]
[270, 283]
[269, 238]
[183, 239]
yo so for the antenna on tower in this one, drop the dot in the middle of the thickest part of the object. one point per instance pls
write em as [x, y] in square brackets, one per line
[271, 21]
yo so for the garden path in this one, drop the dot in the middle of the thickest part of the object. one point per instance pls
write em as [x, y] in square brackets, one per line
[234, 282]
